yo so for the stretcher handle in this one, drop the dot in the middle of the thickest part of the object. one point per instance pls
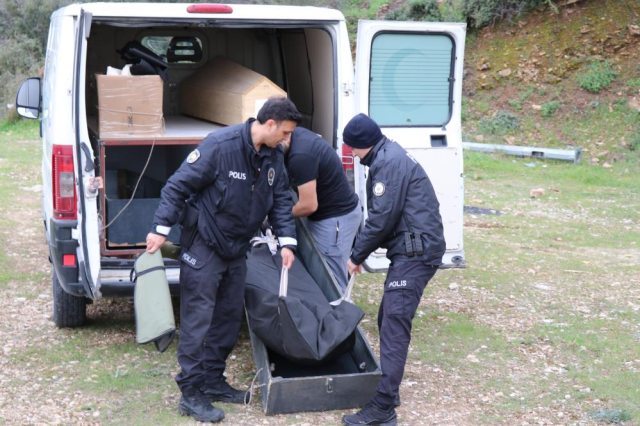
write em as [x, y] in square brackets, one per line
[284, 281]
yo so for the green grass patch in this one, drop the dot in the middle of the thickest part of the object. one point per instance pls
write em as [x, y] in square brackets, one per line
[501, 123]
[604, 348]
[455, 340]
[515, 104]
[17, 161]
[598, 77]
[22, 129]
[610, 416]
[526, 94]
[559, 174]
[550, 108]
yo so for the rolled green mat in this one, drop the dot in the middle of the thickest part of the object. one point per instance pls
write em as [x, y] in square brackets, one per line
[152, 300]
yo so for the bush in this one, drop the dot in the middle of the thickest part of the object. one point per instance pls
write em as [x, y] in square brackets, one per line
[416, 10]
[481, 13]
[599, 77]
[550, 108]
[477, 13]
[453, 11]
[610, 416]
[502, 122]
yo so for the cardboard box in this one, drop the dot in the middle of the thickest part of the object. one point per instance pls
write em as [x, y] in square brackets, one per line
[225, 92]
[130, 106]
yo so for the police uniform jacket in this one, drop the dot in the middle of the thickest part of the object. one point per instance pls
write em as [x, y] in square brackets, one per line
[235, 188]
[400, 201]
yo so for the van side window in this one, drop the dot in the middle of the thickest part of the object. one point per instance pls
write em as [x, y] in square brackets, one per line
[175, 49]
[411, 79]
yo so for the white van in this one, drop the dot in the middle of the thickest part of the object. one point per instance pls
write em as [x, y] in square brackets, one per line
[408, 78]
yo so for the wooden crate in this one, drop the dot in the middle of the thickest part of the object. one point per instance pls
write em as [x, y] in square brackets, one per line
[226, 93]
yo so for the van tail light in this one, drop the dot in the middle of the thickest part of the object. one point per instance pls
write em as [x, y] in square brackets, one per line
[64, 187]
[209, 8]
[347, 158]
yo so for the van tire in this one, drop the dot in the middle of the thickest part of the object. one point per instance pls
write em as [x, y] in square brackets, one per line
[68, 311]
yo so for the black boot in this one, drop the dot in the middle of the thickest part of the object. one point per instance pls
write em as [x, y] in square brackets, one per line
[222, 391]
[196, 405]
[372, 415]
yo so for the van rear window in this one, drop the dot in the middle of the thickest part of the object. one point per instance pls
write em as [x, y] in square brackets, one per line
[411, 79]
[175, 49]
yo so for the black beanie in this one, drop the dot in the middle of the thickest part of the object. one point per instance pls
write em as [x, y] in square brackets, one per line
[361, 132]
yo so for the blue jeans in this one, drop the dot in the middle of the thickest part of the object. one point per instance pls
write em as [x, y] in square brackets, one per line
[334, 238]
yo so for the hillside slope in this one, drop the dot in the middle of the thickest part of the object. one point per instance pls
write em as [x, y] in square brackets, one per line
[522, 81]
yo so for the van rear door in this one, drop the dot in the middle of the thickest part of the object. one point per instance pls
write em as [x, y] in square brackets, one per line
[409, 80]
[88, 233]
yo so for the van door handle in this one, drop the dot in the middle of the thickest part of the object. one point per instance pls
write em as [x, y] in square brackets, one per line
[88, 161]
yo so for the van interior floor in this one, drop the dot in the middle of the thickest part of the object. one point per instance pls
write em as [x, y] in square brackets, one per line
[176, 127]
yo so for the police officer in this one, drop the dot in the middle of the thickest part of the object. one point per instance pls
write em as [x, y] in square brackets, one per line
[404, 218]
[324, 197]
[221, 195]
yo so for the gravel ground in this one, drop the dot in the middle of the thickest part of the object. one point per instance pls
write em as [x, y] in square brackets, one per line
[34, 389]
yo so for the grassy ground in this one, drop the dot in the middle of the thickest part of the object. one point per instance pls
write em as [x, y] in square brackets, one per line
[543, 327]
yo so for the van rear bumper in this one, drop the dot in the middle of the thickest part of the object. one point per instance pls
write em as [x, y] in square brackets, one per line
[116, 282]
[61, 243]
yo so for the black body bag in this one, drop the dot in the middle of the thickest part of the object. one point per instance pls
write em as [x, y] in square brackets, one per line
[301, 325]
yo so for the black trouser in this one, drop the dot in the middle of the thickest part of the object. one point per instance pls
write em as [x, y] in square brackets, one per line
[211, 307]
[403, 290]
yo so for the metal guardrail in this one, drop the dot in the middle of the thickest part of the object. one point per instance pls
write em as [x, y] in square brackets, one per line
[572, 155]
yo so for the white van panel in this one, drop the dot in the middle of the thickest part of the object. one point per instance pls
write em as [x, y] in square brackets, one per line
[89, 242]
[444, 168]
[441, 161]
[57, 125]
[179, 11]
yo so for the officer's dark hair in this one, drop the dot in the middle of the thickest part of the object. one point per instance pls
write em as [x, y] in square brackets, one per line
[279, 109]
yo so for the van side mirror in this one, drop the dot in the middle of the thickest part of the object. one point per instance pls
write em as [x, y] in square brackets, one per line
[28, 98]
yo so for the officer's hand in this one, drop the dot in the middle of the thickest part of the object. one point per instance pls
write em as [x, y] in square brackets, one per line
[353, 268]
[154, 242]
[287, 257]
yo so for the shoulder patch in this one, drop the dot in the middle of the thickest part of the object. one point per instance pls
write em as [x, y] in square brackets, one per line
[193, 157]
[378, 189]
[271, 176]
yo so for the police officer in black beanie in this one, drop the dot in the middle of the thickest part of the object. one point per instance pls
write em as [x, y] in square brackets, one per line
[404, 218]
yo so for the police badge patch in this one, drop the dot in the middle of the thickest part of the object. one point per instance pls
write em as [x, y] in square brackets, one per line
[378, 189]
[193, 157]
[271, 176]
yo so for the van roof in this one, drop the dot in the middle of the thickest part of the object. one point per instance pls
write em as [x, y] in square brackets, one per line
[179, 11]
